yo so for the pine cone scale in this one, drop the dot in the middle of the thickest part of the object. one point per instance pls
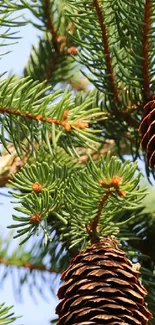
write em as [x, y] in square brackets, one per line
[150, 144]
[125, 274]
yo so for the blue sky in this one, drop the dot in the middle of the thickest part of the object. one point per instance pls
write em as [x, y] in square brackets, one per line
[42, 312]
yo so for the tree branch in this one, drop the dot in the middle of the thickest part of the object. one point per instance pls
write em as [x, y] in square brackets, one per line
[67, 126]
[60, 44]
[145, 50]
[102, 203]
[33, 267]
[50, 25]
[112, 186]
[106, 48]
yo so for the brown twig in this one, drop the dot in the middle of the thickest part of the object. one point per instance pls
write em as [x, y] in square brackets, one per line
[60, 44]
[123, 115]
[102, 203]
[50, 25]
[54, 40]
[112, 185]
[126, 116]
[67, 126]
[27, 265]
[145, 50]
[106, 48]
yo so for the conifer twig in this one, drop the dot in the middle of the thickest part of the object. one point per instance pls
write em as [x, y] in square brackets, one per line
[102, 203]
[54, 39]
[50, 25]
[33, 267]
[67, 125]
[112, 186]
[145, 49]
[123, 115]
[106, 48]
[59, 43]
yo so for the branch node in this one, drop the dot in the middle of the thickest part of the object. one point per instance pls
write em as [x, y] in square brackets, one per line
[37, 187]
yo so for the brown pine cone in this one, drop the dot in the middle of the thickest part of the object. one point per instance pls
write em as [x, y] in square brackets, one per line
[101, 286]
[147, 130]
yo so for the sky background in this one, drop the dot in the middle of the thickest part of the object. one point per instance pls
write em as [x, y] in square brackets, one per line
[42, 312]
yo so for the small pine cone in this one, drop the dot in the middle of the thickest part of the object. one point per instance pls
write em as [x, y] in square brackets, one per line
[147, 130]
[101, 286]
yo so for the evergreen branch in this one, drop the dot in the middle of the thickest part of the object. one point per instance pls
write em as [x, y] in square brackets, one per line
[112, 186]
[23, 100]
[95, 222]
[84, 193]
[54, 37]
[120, 124]
[49, 177]
[50, 25]
[135, 56]
[5, 316]
[110, 72]
[10, 163]
[8, 20]
[5, 195]
[32, 267]
[34, 264]
[7, 17]
[46, 64]
[145, 50]
[103, 65]
[67, 126]
[45, 187]
[95, 48]
[65, 201]
[51, 60]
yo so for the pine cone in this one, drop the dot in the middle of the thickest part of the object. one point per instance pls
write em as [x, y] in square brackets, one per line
[102, 287]
[147, 130]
